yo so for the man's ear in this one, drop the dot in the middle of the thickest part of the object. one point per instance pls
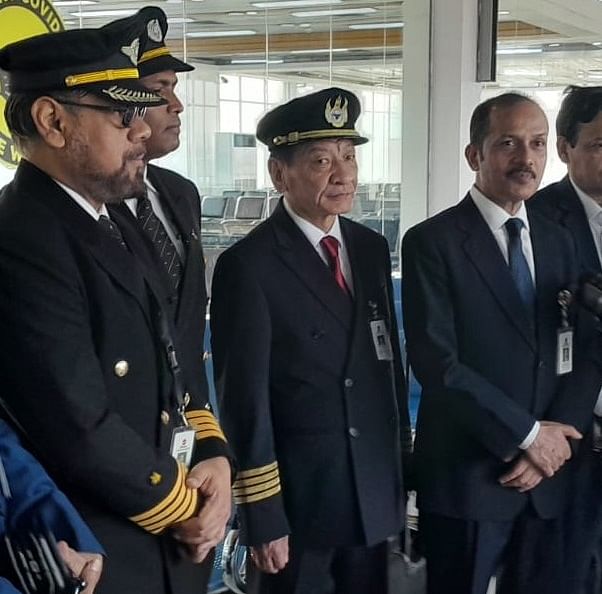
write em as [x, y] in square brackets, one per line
[471, 152]
[276, 169]
[562, 146]
[49, 118]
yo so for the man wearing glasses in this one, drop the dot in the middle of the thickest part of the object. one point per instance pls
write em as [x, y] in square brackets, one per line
[90, 369]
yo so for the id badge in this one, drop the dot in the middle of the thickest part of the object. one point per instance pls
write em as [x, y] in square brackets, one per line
[182, 445]
[382, 342]
[564, 351]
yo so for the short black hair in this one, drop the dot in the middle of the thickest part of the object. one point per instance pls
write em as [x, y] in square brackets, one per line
[481, 116]
[17, 112]
[579, 106]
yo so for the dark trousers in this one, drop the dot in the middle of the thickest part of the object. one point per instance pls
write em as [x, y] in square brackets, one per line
[583, 524]
[344, 570]
[463, 555]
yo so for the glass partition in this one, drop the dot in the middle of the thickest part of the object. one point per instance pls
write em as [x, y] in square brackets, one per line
[251, 55]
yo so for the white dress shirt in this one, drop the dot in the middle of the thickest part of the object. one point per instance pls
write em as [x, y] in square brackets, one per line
[314, 235]
[495, 218]
[153, 196]
[83, 203]
[593, 212]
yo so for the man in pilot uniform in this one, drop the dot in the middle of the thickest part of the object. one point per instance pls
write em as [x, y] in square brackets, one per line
[307, 365]
[91, 369]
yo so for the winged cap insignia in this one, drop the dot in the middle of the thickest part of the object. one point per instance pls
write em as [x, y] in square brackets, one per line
[336, 114]
[153, 28]
[131, 51]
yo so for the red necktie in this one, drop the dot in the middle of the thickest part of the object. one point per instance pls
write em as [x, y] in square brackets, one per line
[331, 247]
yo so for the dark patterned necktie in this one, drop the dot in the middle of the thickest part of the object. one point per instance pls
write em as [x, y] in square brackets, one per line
[519, 269]
[166, 250]
[331, 247]
[112, 229]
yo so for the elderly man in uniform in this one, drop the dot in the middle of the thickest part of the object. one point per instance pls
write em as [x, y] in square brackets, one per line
[91, 367]
[307, 364]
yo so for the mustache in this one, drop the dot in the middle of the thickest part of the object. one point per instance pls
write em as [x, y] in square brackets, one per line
[528, 170]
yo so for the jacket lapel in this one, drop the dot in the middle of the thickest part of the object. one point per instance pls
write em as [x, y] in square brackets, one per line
[302, 259]
[484, 252]
[573, 217]
[117, 262]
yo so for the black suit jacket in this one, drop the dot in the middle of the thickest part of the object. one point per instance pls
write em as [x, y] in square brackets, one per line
[313, 417]
[560, 203]
[181, 204]
[75, 307]
[488, 370]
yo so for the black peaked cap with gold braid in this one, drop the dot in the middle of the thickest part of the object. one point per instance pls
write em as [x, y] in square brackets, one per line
[153, 56]
[324, 115]
[97, 61]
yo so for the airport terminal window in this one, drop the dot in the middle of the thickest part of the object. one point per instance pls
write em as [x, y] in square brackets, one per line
[250, 56]
[543, 47]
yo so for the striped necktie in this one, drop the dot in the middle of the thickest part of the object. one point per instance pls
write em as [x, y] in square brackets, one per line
[166, 250]
[112, 229]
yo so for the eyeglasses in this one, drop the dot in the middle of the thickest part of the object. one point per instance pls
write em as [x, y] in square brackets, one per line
[128, 114]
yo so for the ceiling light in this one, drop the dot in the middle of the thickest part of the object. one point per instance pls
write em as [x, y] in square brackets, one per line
[251, 12]
[240, 33]
[103, 13]
[553, 45]
[319, 51]
[236, 14]
[179, 20]
[597, 43]
[519, 50]
[334, 12]
[294, 3]
[256, 61]
[397, 25]
[74, 2]
[503, 12]
[304, 25]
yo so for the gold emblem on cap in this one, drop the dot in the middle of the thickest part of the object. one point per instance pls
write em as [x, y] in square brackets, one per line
[164, 417]
[131, 51]
[153, 28]
[336, 114]
[121, 368]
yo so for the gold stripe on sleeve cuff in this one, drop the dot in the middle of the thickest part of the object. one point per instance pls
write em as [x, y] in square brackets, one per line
[204, 424]
[179, 504]
[256, 484]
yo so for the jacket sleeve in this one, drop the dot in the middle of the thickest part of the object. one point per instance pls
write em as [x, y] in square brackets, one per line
[485, 411]
[241, 345]
[53, 386]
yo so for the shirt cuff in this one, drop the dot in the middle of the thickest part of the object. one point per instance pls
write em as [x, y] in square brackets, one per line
[530, 436]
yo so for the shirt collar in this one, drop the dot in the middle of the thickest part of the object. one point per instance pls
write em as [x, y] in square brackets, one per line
[495, 216]
[591, 207]
[314, 234]
[79, 199]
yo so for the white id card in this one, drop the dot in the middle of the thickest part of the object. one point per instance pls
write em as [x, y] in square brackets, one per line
[382, 342]
[564, 351]
[182, 445]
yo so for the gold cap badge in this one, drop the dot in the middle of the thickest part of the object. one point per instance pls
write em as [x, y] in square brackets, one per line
[336, 114]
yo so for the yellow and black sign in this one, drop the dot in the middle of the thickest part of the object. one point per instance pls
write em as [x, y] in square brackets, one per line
[20, 19]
